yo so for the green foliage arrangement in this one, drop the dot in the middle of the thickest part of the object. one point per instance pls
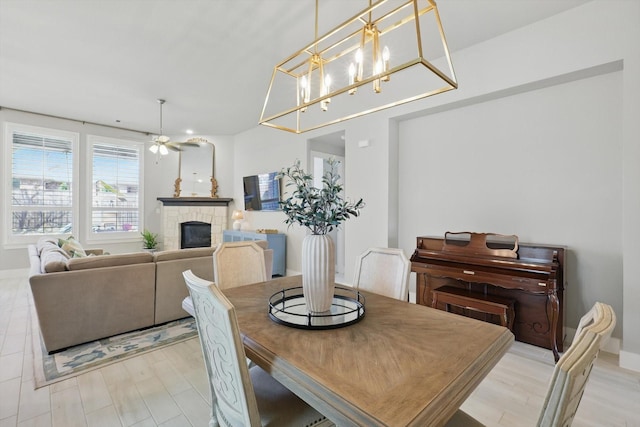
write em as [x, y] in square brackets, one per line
[149, 239]
[320, 210]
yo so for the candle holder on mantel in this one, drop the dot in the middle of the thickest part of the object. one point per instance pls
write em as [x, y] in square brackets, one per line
[214, 188]
[176, 187]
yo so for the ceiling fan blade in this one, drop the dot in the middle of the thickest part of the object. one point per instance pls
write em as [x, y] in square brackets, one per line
[172, 147]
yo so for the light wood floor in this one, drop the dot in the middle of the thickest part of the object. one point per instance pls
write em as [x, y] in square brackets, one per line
[168, 387]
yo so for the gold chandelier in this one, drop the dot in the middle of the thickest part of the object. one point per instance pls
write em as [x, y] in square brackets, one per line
[375, 60]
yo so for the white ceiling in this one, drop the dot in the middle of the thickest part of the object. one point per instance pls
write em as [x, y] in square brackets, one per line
[107, 61]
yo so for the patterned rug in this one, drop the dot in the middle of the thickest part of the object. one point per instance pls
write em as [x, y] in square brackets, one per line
[49, 369]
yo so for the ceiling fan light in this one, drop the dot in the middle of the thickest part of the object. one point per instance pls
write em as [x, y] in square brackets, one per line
[154, 148]
[163, 150]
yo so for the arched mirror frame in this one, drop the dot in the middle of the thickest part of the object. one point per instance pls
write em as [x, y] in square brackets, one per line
[187, 172]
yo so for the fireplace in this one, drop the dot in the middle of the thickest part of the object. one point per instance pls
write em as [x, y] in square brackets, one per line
[179, 210]
[195, 234]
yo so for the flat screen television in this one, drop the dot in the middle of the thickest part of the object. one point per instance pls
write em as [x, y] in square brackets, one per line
[261, 192]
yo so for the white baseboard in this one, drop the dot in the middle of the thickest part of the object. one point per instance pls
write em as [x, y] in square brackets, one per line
[629, 360]
[612, 346]
[16, 273]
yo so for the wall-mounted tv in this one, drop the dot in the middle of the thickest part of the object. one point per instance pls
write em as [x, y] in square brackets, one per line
[261, 192]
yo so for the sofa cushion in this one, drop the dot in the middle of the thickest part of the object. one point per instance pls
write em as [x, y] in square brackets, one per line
[183, 253]
[46, 242]
[109, 260]
[53, 259]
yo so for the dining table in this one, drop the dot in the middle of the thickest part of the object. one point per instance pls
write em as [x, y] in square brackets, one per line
[400, 364]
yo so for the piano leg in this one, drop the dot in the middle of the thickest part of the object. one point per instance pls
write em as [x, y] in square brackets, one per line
[554, 306]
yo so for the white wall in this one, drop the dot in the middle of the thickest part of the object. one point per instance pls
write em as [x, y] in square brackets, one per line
[544, 165]
[263, 150]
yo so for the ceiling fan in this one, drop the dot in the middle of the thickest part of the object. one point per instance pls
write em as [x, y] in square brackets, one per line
[162, 143]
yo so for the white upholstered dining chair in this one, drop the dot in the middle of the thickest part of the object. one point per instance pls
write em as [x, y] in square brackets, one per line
[240, 396]
[237, 264]
[384, 271]
[242, 263]
[570, 374]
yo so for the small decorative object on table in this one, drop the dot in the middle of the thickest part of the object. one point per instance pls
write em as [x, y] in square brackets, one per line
[319, 210]
[237, 216]
[267, 231]
[288, 307]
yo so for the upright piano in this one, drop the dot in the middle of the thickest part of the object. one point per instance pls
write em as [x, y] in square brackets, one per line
[492, 264]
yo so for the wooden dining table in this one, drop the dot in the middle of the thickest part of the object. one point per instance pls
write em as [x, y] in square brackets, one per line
[401, 365]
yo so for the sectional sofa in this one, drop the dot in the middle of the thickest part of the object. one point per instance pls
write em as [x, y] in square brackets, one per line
[79, 300]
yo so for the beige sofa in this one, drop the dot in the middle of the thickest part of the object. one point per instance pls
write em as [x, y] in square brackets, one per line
[83, 299]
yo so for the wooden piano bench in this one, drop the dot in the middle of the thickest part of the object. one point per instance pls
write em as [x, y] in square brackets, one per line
[470, 300]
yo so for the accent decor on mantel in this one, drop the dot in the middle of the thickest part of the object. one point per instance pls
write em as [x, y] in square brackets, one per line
[176, 210]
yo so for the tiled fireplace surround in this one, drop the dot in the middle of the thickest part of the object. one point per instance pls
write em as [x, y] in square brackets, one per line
[177, 210]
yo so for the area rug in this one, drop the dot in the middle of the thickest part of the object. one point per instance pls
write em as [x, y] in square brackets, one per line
[65, 364]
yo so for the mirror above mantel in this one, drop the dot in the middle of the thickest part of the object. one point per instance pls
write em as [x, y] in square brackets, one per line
[196, 170]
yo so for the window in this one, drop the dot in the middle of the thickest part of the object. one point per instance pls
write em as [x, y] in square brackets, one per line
[43, 170]
[116, 168]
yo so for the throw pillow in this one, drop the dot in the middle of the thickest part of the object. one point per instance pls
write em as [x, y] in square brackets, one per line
[72, 247]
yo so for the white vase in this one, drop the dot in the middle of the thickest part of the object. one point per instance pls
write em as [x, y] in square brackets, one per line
[318, 272]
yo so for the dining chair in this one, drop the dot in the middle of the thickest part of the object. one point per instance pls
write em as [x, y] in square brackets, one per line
[241, 263]
[384, 271]
[240, 396]
[570, 374]
[593, 316]
[237, 264]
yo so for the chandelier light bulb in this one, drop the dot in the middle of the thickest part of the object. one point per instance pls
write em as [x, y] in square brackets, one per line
[163, 150]
[325, 90]
[303, 87]
[377, 69]
[307, 88]
[352, 78]
[154, 148]
[359, 61]
[386, 55]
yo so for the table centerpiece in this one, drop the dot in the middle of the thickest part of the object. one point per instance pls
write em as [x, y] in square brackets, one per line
[320, 210]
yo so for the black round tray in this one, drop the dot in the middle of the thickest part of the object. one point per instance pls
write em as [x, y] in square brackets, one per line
[287, 307]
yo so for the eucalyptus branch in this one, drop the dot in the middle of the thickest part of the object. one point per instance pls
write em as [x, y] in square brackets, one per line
[319, 210]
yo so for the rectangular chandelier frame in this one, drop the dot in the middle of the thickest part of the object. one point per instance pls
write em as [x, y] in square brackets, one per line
[289, 101]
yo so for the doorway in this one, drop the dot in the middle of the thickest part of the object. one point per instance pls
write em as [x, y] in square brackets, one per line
[320, 150]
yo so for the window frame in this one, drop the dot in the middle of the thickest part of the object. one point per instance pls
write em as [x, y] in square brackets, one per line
[11, 241]
[92, 237]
